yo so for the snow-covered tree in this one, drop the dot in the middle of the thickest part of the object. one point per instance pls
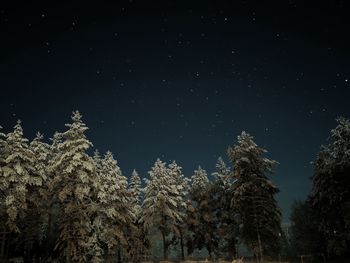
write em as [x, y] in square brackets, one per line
[202, 220]
[254, 196]
[35, 224]
[115, 209]
[98, 161]
[135, 190]
[222, 173]
[73, 170]
[139, 243]
[222, 194]
[49, 192]
[199, 180]
[3, 154]
[330, 194]
[18, 175]
[160, 206]
[175, 172]
[3, 147]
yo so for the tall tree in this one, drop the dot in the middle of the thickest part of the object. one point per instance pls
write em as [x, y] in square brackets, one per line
[159, 208]
[135, 190]
[254, 196]
[3, 154]
[3, 181]
[202, 217]
[18, 175]
[52, 186]
[181, 182]
[3, 147]
[36, 220]
[138, 242]
[225, 213]
[331, 189]
[114, 202]
[73, 170]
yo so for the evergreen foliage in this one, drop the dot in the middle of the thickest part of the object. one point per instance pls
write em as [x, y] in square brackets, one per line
[331, 190]
[254, 197]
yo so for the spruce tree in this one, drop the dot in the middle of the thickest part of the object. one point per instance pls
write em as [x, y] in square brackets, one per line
[114, 202]
[330, 194]
[222, 173]
[222, 194]
[18, 176]
[202, 218]
[52, 186]
[3, 182]
[135, 191]
[73, 170]
[160, 205]
[181, 182]
[138, 242]
[254, 196]
[36, 220]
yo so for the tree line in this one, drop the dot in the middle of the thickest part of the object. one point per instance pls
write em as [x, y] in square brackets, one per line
[58, 202]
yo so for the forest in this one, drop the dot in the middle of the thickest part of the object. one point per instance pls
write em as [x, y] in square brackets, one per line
[61, 203]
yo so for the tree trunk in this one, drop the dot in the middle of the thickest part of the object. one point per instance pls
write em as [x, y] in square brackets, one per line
[259, 243]
[165, 246]
[182, 246]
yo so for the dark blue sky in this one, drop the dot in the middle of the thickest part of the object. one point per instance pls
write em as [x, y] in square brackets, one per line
[181, 80]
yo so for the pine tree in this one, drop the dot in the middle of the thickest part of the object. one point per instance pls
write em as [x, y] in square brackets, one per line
[199, 180]
[254, 196]
[135, 190]
[222, 173]
[114, 200]
[52, 186]
[159, 208]
[73, 170]
[36, 220]
[3, 147]
[18, 175]
[139, 242]
[175, 172]
[3, 154]
[330, 194]
[202, 219]
[222, 194]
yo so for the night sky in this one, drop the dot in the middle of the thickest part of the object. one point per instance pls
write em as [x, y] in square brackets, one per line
[180, 80]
